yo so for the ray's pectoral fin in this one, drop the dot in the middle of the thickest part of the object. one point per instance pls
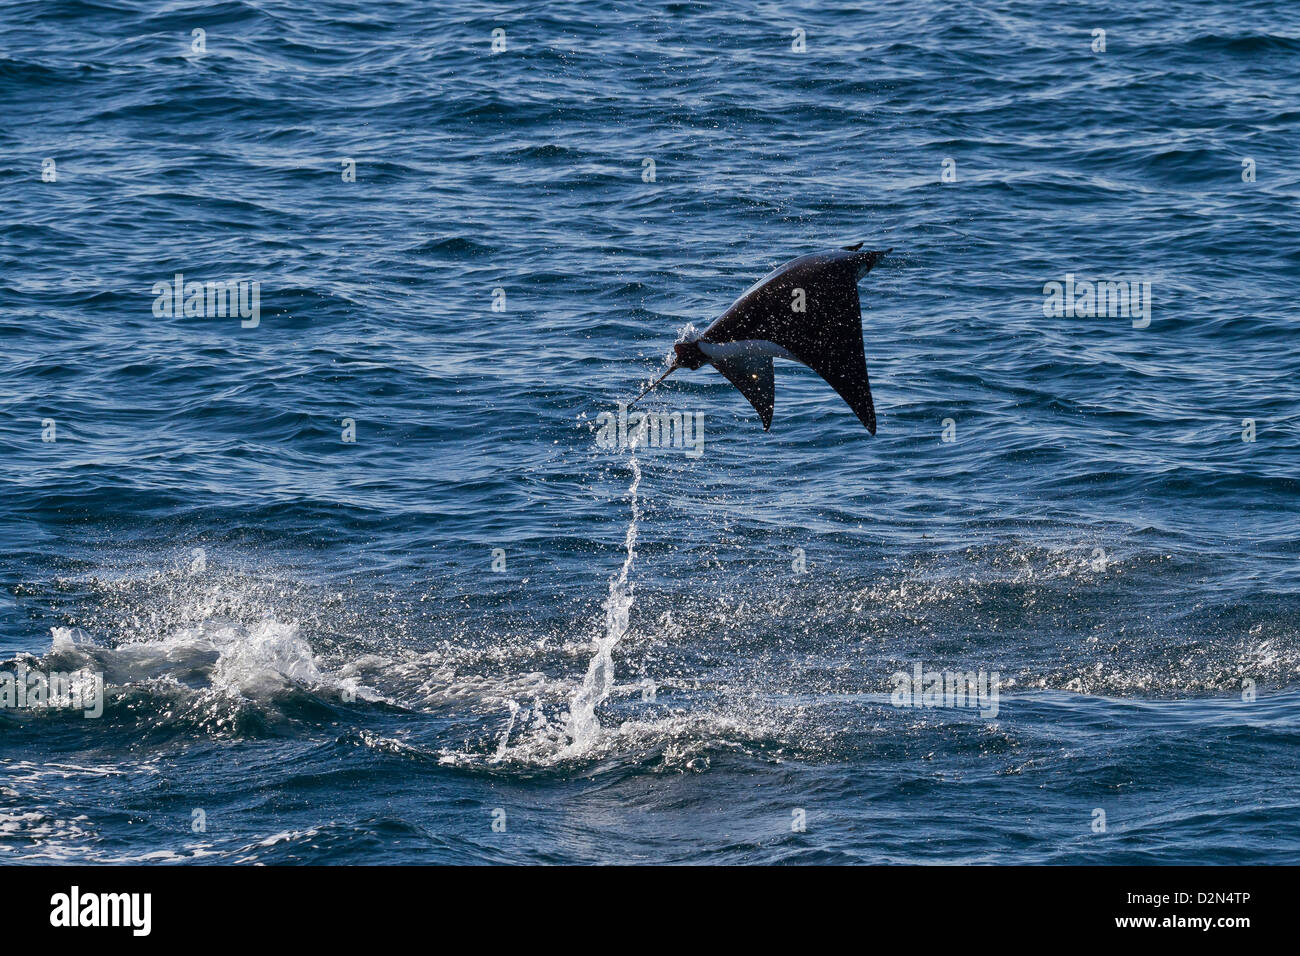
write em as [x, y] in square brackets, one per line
[831, 345]
[752, 375]
[847, 374]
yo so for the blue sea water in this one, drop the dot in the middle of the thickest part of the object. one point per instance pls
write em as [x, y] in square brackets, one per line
[475, 635]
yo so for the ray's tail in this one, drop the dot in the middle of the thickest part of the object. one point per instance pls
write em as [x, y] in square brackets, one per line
[672, 368]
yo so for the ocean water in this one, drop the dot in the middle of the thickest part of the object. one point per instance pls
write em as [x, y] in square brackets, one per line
[364, 586]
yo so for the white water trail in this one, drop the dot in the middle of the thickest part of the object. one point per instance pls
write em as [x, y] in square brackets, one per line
[505, 737]
[584, 727]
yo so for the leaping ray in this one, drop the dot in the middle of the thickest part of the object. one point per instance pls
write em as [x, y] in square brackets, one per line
[806, 310]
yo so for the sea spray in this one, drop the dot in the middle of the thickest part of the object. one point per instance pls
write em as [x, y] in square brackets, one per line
[584, 727]
[505, 737]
